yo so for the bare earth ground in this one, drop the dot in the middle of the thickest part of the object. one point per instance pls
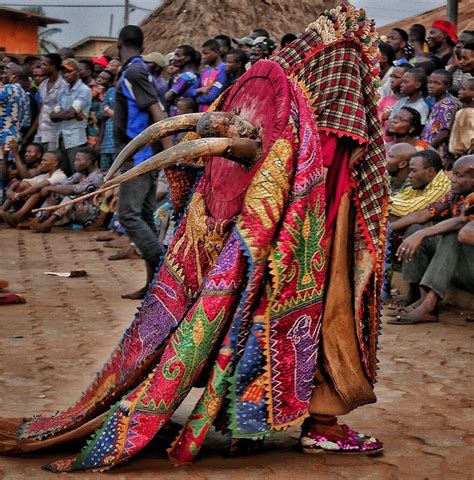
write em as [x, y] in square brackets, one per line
[51, 347]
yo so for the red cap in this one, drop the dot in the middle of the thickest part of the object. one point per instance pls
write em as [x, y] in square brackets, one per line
[447, 27]
[100, 61]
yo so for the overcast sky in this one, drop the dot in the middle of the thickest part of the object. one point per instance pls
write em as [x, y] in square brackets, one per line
[95, 21]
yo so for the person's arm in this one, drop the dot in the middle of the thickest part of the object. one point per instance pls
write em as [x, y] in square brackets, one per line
[68, 114]
[32, 131]
[466, 234]
[217, 88]
[440, 138]
[422, 216]
[33, 189]
[61, 189]
[5, 169]
[410, 244]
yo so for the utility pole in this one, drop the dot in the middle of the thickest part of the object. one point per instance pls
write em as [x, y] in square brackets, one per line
[126, 19]
[452, 11]
[111, 24]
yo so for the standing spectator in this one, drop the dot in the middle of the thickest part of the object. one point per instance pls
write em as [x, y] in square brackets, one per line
[15, 113]
[66, 52]
[136, 107]
[287, 39]
[387, 57]
[441, 39]
[86, 72]
[225, 45]
[466, 61]
[100, 64]
[244, 43]
[236, 61]
[157, 63]
[213, 80]
[461, 140]
[74, 103]
[441, 119]
[459, 76]
[114, 67]
[106, 143]
[47, 130]
[397, 38]
[182, 83]
[413, 89]
[38, 77]
[417, 38]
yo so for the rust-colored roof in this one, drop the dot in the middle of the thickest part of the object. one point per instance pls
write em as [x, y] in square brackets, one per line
[465, 18]
[41, 20]
[177, 22]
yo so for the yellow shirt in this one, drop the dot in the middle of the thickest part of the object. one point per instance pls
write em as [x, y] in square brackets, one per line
[410, 200]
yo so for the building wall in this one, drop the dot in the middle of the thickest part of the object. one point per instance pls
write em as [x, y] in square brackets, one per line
[92, 49]
[18, 36]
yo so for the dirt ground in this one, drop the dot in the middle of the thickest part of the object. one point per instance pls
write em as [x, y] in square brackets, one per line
[51, 347]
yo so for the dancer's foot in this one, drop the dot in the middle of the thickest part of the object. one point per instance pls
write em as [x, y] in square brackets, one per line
[138, 295]
[316, 438]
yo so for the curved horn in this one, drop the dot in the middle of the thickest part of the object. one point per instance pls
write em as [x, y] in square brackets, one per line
[161, 129]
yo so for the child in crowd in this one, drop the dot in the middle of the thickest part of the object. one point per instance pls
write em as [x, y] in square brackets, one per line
[213, 79]
[413, 89]
[389, 101]
[461, 140]
[184, 105]
[441, 119]
[235, 64]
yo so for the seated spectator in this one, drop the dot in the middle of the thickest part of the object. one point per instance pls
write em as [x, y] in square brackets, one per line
[417, 38]
[213, 79]
[441, 39]
[466, 234]
[24, 196]
[74, 102]
[236, 61]
[28, 166]
[441, 119]
[428, 183]
[182, 84]
[405, 127]
[461, 140]
[434, 257]
[398, 160]
[413, 89]
[389, 101]
[87, 178]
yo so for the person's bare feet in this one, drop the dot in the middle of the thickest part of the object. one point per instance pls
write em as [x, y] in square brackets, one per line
[9, 218]
[126, 253]
[29, 223]
[138, 295]
[119, 242]
[44, 227]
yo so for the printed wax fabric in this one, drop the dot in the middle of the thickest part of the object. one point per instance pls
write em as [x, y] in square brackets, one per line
[247, 288]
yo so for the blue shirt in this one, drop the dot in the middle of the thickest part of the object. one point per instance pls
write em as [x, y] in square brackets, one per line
[14, 111]
[79, 96]
[135, 94]
[108, 143]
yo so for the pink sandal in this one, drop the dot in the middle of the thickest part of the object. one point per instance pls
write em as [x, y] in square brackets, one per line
[350, 442]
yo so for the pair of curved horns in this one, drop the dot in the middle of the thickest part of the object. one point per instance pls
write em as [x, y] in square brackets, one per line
[161, 129]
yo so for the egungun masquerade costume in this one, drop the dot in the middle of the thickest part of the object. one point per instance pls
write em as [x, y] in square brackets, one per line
[270, 291]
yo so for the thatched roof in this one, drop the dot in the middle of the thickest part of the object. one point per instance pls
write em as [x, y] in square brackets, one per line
[465, 18]
[177, 22]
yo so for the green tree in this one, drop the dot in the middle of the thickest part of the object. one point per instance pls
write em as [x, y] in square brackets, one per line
[45, 44]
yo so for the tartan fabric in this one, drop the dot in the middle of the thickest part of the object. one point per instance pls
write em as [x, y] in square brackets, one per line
[341, 90]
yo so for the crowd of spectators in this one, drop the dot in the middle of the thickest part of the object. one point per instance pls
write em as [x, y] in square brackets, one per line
[63, 120]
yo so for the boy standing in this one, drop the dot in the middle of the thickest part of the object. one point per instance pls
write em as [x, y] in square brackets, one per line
[441, 119]
[213, 80]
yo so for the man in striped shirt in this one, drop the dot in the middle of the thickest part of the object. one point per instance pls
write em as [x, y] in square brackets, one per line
[428, 183]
